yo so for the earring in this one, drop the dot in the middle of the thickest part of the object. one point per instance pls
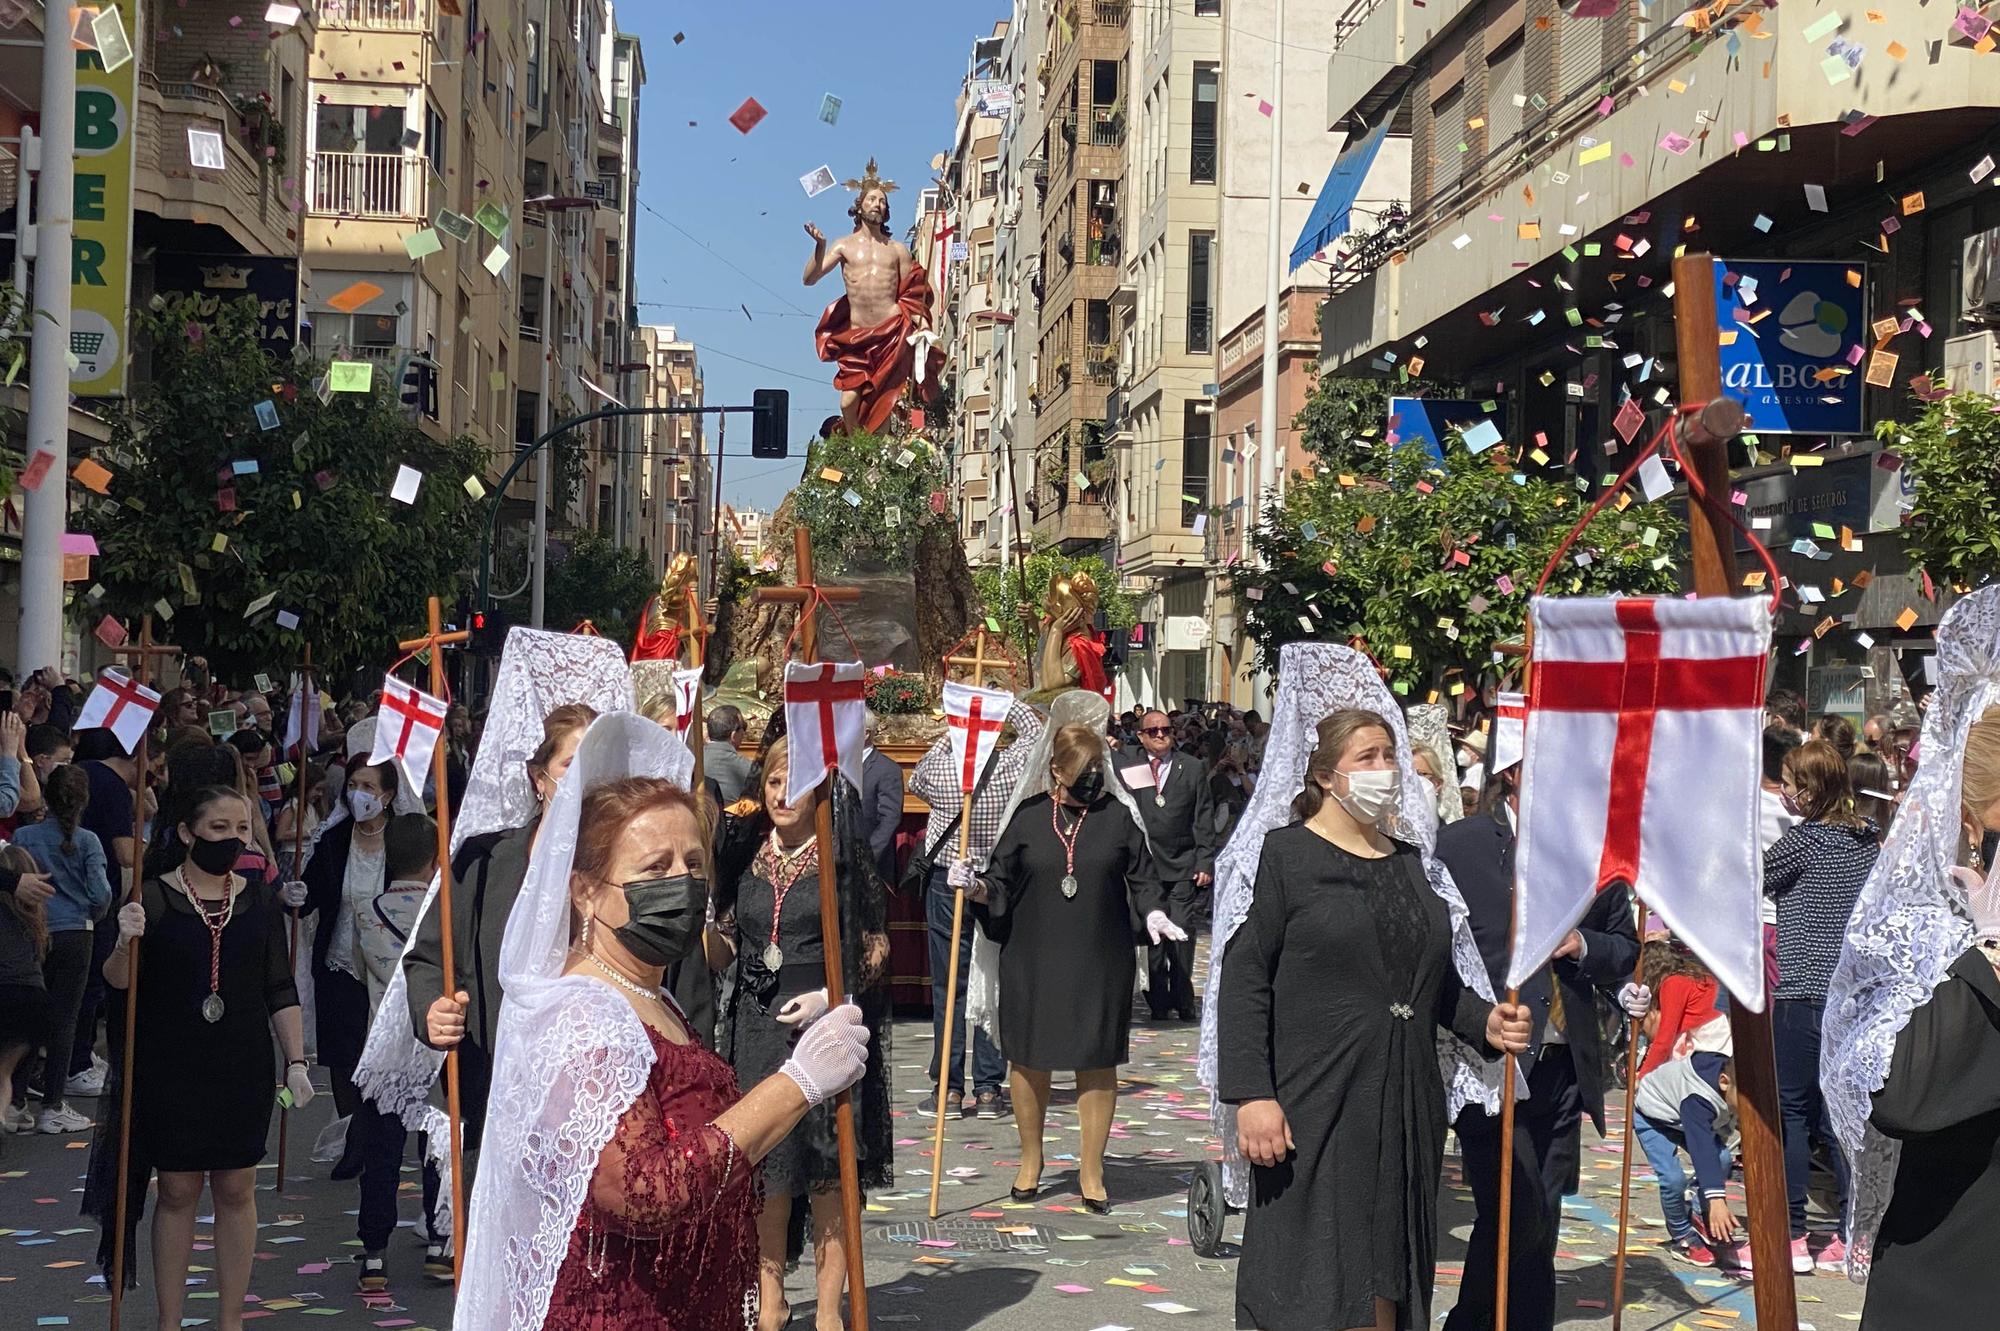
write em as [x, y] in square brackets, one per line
[583, 944]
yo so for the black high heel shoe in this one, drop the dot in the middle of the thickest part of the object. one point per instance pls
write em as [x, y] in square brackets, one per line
[1024, 1194]
[1096, 1205]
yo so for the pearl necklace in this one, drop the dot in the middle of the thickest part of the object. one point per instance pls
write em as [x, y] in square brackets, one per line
[621, 981]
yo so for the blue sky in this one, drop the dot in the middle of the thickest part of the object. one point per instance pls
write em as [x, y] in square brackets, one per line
[896, 69]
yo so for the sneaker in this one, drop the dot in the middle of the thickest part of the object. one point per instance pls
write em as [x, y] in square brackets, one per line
[437, 1261]
[374, 1272]
[1734, 1257]
[61, 1120]
[1692, 1250]
[88, 1082]
[1833, 1257]
[954, 1105]
[1802, 1258]
[989, 1105]
[16, 1119]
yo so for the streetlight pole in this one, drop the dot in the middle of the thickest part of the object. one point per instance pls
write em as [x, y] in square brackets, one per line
[46, 510]
[1271, 460]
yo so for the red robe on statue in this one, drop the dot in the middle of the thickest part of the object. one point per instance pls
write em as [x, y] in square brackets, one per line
[1089, 655]
[876, 362]
[655, 645]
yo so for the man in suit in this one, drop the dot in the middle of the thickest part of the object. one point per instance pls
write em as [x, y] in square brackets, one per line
[1173, 796]
[881, 802]
[720, 760]
[1564, 1065]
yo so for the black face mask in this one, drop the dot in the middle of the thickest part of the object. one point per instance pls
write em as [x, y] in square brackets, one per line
[666, 918]
[1089, 784]
[215, 857]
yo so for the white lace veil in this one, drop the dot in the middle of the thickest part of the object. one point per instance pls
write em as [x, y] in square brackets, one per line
[1077, 707]
[539, 672]
[570, 1055]
[1429, 731]
[1314, 680]
[1910, 923]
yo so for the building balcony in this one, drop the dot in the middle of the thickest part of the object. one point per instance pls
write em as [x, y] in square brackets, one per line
[243, 198]
[375, 185]
[1577, 141]
[1111, 13]
[375, 15]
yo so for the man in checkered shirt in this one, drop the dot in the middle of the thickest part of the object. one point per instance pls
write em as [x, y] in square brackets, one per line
[936, 782]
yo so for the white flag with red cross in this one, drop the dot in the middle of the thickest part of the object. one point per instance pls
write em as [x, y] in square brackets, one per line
[1510, 722]
[973, 717]
[687, 689]
[121, 705]
[407, 729]
[1643, 763]
[826, 724]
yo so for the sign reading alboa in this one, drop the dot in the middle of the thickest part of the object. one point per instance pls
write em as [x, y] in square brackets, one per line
[121, 705]
[973, 718]
[407, 729]
[826, 724]
[1644, 755]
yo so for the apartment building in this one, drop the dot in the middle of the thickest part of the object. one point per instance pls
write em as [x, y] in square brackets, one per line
[743, 531]
[674, 474]
[1846, 168]
[1082, 70]
[1161, 415]
[621, 72]
[1016, 266]
[961, 248]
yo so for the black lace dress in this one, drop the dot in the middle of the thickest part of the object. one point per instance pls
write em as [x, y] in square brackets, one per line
[1331, 999]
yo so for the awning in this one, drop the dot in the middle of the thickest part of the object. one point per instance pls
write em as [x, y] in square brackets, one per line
[1333, 211]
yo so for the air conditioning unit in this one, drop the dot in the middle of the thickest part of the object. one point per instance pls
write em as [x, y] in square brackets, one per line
[1968, 363]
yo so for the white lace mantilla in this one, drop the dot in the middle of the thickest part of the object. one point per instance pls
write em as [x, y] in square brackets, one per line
[538, 673]
[569, 1058]
[1910, 923]
[1315, 680]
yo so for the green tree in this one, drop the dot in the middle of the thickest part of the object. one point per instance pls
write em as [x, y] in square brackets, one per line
[1426, 566]
[226, 523]
[999, 593]
[1952, 454]
[599, 581]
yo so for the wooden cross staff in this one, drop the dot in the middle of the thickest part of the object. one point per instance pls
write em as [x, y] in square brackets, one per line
[697, 632]
[307, 696]
[806, 595]
[947, 1066]
[434, 642]
[141, 655]
[1704, 441]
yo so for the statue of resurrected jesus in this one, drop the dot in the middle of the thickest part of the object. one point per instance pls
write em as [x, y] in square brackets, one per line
[872, 332]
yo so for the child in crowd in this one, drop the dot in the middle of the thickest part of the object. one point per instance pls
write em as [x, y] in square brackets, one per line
[409, 859]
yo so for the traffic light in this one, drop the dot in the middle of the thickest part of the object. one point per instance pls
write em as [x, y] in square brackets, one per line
[770, 424]
[487, 634]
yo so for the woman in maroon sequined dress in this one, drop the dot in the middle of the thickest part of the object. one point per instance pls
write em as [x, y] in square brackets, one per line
[617, 1187]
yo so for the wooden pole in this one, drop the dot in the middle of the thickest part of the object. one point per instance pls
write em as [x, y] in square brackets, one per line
[1632, 1034]
[947, 1065]
[806, 594]
[142, 670]
[1711, 541]
[308, 696]
[435, 642]
[1505, 1242]
[698, 631]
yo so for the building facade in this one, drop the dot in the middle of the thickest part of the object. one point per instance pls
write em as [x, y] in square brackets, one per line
[1016, 270]
[674, 473]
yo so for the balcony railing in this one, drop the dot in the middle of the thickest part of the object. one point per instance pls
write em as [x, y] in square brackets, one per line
[1201, 160]
[1107, 129]
[1112, 13]
[375, 15]
[1200, 329]
[368, 185]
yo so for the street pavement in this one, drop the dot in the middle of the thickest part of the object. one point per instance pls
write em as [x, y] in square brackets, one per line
[986, 1262]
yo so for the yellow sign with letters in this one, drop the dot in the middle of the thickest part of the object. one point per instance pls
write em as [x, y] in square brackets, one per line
[107, 109]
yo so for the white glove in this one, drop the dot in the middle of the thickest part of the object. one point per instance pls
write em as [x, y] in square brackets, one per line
[1163, 930]
[299, 1082]
[803, 1010]
[830, 1056]
[1636, 999]
[292, 893]
[961, 874]
[131, 921]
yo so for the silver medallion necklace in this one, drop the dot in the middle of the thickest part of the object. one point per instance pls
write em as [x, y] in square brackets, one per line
[216, 922]
[1068, 840]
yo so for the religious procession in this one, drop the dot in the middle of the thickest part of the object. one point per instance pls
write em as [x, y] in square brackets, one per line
[1371, 701]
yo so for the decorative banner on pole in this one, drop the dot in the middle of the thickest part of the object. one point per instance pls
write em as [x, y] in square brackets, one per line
[827, 720]
[973, 717]
[407, 729]
[687, 689]
[301, 719]
[1643, 763]
[120, 705]
[107, 112]
[1508, 728]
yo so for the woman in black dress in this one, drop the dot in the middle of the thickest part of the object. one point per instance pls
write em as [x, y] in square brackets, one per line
[1067, 880]
[215, 984]
[768, 925]
[1330, 995]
